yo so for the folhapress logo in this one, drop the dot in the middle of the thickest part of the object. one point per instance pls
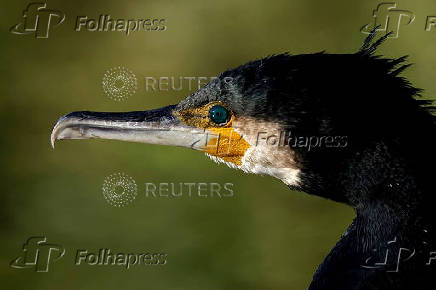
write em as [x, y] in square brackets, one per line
[388, 18]
[37, 19]
[38, 254]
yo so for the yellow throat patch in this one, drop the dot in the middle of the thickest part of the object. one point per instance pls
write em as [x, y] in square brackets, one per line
[222, 141]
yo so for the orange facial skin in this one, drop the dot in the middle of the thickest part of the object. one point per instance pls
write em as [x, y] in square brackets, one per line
[224, 142]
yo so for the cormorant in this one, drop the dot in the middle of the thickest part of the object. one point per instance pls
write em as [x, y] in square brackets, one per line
[372, 148]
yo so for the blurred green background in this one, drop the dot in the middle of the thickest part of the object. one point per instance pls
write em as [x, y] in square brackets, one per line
[265, 237]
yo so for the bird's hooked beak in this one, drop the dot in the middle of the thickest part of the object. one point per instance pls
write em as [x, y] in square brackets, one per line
[191, 128]
[159, 126]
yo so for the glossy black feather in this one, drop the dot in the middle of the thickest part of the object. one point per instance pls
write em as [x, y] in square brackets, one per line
[385, 171]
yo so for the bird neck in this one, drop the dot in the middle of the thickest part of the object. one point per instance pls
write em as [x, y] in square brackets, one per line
[392, 197]
[393, 230]
[377, 224]
[380, 248]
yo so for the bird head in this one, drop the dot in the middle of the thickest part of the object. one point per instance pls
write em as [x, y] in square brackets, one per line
[299, 118]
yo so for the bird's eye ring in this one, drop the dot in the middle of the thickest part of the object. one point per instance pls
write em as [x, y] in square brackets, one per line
[219, 115]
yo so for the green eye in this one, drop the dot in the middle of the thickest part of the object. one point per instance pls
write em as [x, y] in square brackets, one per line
[219, 115]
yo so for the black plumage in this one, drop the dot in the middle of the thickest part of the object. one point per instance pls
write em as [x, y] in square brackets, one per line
[384, 172]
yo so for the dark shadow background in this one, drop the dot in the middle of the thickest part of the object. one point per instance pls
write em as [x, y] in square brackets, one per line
[265, 237]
